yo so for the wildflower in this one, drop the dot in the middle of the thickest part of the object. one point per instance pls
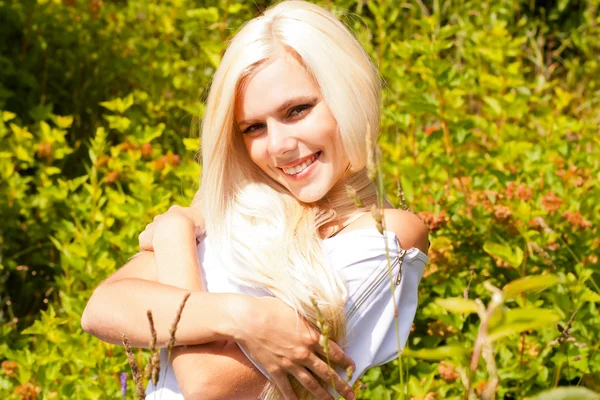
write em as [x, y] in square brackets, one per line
[524, 193]
[502, 212]
[173, 159]
[510, 190]
[431, 128]
[159, 164]
[146, 150]
[551, 202]
[127, 145]
[576, 219]
[124, 385]
[102, 161]
[112, 176]
[44, 150]
[437, 328]
[9, 367]
[590, 260]
[434, 222]
[27, 391]
[94, 7]
[447, 371]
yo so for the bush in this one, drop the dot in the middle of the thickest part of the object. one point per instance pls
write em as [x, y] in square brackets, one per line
[489, 132]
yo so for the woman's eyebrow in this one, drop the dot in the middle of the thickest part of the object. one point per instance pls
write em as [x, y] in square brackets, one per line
[286, 104]
[298, 99]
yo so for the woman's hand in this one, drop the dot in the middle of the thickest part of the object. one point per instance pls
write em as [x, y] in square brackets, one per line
[285, 344]
[175, 244]
[192, 213]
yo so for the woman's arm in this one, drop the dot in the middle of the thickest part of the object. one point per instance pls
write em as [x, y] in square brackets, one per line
[289, 347]
[201, 370]
[120, 303]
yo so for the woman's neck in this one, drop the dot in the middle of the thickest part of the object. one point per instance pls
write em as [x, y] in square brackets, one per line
[349, 198]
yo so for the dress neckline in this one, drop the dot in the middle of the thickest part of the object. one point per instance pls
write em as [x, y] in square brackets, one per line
[375, 232]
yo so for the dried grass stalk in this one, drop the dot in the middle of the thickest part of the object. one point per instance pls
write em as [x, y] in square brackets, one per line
[173, 329]
[153, 367]
[140, 393]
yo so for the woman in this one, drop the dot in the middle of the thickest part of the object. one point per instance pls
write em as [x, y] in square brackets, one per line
[284, 135]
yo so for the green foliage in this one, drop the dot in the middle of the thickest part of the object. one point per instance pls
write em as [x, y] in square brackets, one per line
[489, 132]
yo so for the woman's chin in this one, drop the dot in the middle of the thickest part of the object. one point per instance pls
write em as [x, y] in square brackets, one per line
[308, 196]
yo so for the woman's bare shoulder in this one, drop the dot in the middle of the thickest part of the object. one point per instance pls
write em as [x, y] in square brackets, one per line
[408, 227]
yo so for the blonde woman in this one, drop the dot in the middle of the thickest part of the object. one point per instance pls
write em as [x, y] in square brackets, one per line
[283, 137]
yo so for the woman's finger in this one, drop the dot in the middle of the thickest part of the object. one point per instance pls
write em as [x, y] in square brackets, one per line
[312, 384]
[145, 238]
[336, 355]
[283, 383]
[322, 370]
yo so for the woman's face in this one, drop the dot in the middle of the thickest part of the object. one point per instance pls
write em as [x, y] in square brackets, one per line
[289, 131]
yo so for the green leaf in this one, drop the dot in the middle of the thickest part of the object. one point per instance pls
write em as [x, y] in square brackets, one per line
[523, 319]
[567, 393]
[118, 123]
[407, 188]
[494, 105]
[512, 256]
[191, 144]
[20, 133]
[532, 283]
[151, 133]
[7, 116]
[118, 105]
[590, 295]
[439, 353]
[208, 14]
[63, 122]
[458, 305]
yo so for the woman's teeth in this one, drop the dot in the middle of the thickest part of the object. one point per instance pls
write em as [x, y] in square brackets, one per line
[299, 168]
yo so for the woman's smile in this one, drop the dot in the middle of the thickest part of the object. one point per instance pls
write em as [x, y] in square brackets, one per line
[300, 170]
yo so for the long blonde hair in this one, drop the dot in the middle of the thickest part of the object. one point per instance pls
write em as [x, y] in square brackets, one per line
[262, 234]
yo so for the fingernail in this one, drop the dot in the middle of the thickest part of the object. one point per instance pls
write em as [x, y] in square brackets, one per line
[350, 396]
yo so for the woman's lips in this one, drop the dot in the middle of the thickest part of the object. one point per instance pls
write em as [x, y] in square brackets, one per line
[302, 170]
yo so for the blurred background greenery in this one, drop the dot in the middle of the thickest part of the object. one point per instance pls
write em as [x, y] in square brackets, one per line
[490, 132]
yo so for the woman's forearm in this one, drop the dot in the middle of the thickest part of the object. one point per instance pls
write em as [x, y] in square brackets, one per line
[177, 261]
[119, 305]
[201, 370]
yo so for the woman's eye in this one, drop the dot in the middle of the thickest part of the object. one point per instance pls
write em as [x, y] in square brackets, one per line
[252, 128]
[295, 111]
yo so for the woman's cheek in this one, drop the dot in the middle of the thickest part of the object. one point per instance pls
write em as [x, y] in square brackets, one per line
[258, 153]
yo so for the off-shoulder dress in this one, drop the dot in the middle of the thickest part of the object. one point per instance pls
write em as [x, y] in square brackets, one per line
[361, 257]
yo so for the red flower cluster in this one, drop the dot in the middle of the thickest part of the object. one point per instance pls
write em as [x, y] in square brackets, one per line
[551, 202]
[523, 192]
[575, 219]
[576, 176]
[171, 159]
[447, 371]
[434, 222]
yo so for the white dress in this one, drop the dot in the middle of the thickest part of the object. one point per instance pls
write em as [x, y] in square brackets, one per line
[371, 331]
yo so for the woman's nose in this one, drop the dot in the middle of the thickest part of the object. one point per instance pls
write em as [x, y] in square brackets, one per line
[280, 139]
